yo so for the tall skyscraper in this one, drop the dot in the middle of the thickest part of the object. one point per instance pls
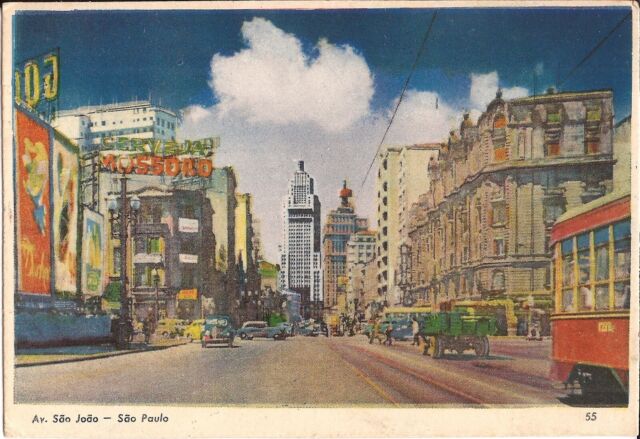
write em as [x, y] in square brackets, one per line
[340, 225]
[300, 257]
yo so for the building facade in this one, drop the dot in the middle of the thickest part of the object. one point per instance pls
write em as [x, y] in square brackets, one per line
[361, 252]
[402, 177]
[301, 253]
[482, 230]
[341, 224]
[89, 126]
[173, 253]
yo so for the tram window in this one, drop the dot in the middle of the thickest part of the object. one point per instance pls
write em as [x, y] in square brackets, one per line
[622, 298]
[567, 300]
[602, 297]
[583, 259]
[567, 274]
[586, 298]
[621, 234]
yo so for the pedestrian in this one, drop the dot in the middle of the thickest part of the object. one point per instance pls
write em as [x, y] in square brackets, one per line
[387, 331]
[375, 332]
[147, 328]
[415, 330]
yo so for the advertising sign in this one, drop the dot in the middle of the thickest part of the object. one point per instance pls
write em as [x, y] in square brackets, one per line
[92, 253]
[65, 214]
[36, 81]
[187, 225]
[143, 164]
[33, 205]
[190, 294]
[188, 259]
[147, 258]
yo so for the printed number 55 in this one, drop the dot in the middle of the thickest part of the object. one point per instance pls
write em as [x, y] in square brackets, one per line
[591, 416]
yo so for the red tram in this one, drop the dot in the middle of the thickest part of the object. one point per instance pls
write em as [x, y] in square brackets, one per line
[590, 326]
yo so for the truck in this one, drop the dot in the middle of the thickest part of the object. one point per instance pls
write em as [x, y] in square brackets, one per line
[457, 331]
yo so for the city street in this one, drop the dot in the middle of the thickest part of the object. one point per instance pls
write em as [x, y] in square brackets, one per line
[300, 371]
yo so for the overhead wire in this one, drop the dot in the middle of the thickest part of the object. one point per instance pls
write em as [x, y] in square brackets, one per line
[402, 93]
[593, 50]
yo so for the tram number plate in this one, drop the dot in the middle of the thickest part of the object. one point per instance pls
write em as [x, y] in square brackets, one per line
[605, 327]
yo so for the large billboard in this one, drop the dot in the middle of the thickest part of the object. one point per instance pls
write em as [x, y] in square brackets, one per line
[33, 205]
[65, 214]
[92, 253]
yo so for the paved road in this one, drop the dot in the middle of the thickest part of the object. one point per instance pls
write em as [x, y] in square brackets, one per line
[298, 372]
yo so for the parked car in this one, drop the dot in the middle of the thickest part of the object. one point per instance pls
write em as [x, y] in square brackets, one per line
[252, 329]
[194, 330]
[278, 332]
[170, 327]
[218, 329]
[310, 330]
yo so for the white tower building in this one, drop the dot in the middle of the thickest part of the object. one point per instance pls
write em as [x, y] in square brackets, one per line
[300, 257]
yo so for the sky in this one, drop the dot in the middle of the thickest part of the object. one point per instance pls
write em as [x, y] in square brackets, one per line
[279, 86]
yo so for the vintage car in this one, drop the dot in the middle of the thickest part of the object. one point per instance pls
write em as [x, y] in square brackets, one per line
[218, 329]
[170, 327]
[194, 330]
[252, 329]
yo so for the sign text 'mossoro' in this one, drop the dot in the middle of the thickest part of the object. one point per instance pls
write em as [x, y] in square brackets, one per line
[157, 165]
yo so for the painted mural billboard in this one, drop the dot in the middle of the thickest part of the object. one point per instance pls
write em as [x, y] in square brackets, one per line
[65, 214]
[33, 205]
[92, 253]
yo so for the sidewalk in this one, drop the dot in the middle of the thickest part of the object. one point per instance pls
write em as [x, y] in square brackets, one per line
[67, 354]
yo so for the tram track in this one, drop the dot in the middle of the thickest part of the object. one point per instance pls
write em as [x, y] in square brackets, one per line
[408, 384]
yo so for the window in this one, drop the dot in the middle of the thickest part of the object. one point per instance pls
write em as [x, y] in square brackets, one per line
[553, 116]
[104, 123]
[499, 137]
[584, 273]
[498, 212]
[497, 280]
[117, 260]
[593, 114]
[601, 248]
[622, 264]
[188, 211]
[498, 247]
[567, 275]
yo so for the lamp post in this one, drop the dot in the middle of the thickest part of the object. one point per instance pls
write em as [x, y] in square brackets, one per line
[156, 284]
[121, 215]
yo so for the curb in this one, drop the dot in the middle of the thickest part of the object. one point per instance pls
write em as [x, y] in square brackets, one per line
[109, 355]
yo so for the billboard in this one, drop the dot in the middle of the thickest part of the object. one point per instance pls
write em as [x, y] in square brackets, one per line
[65, 214]
[33, 205]
[92, 253]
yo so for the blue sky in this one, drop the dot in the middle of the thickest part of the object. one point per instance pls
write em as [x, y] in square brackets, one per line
[120, 54]
[278, 86]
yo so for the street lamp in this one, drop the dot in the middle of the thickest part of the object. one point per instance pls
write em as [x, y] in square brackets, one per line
[121, 215]
[156, 283]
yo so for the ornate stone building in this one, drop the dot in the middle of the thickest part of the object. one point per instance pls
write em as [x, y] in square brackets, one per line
[482, 229]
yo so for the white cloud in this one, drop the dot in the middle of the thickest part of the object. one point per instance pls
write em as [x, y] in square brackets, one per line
[484, 87]
[273, 81]
[422, 117]
[275, 105]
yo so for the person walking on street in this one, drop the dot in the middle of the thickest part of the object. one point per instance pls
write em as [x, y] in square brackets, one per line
[375, 332]
[415, 330]
[387, 331]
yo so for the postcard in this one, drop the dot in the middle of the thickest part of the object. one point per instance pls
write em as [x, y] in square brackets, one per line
[327, 219]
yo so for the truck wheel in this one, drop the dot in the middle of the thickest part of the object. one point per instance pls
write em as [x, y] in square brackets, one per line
[485, 346]
[243, 336]
[438, 347]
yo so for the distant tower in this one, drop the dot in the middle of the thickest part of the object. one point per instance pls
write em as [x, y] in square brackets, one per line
[340, 225]
[300, 257]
